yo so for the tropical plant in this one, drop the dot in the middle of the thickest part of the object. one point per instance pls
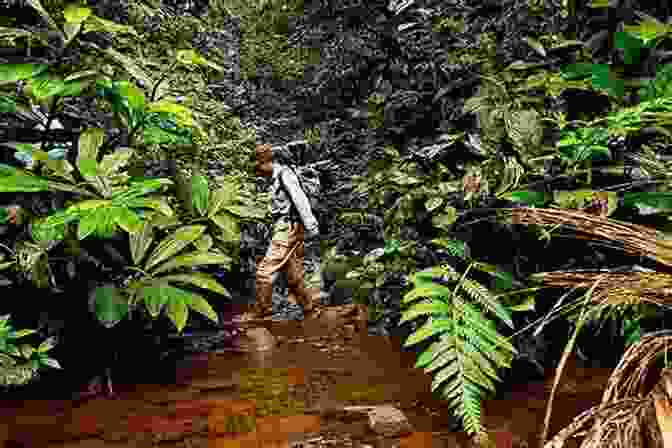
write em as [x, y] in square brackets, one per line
[221, 210]
[11, 371]
[112, 197]
[391, 176]
[363, 274]
[157, 271]
[469, 349]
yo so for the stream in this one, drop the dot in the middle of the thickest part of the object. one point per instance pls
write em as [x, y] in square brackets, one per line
[295, 394]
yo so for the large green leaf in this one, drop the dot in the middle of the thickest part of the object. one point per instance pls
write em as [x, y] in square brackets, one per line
[69, 188]
[10, 73]
[89, 224]
[128, 220]
[138, 189]
[192, 260]
[109, 305]
[46, 345]
[228, 225]
[74, 17]
[174, 243]
[88, 205]
[159, 204]
[44, 86]
[190, 57]
[204, 243]
[95, 23]
[221, 197]
[76, 14]
[50, 362]
[182, 115]
[20, 183]
[198, 279]
[201, 306]
[129, 65]
[89, 142]
[115, 161]
[154, 295]
[199, 193]
[140, 242]
[177, 309]
[20, 333]
[41, 230]
[244, 211]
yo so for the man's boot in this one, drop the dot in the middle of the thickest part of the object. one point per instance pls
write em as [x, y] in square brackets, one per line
[310, 300]
[262, 308]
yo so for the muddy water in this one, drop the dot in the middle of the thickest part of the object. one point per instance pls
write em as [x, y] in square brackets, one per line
[290, 396]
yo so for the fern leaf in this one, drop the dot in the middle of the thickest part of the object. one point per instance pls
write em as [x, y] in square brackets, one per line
[472, 371]
[481, 294]
[442, 360]
[426, 357]
[482, 362]
[432, 291]
[428, 277]
[429, 329]
[470, 408]
[479, 325]
[423, 309]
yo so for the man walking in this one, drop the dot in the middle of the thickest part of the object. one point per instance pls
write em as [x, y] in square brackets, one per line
[294, 226]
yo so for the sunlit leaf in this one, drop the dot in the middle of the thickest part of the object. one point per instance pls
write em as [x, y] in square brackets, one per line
[192, 260]
[109, 305]
[198, 279]
[174, 243]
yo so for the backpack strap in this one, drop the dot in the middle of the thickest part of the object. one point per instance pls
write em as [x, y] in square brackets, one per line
[293, 212]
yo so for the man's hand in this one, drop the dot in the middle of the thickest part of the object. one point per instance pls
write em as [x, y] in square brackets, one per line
[311, 236]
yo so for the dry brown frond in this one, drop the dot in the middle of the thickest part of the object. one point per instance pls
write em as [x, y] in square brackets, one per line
[636, 239]
[616, 288]
[626, 417]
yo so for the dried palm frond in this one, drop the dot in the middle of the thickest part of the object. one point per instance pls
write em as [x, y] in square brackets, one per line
[636, 239]
[616, 288]
[626, 416]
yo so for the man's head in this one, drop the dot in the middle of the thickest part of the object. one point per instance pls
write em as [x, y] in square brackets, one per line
[264, 163]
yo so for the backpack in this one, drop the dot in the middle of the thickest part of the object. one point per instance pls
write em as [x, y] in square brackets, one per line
[309, 181]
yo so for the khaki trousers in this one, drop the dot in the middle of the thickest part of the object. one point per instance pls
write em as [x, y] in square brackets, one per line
[286, 252]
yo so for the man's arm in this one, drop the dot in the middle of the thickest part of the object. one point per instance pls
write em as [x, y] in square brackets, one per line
[299, 199]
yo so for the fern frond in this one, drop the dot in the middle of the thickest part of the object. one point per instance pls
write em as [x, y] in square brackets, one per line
[432, 291]
[479, 293]
[465, 358]
[429, 329]
[425, 308]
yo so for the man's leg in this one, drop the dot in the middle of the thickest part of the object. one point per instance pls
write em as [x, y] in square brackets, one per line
[307, 296]
[274, 260]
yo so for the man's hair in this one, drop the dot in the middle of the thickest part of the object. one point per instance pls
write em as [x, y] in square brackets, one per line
[267, 153]
[264, 153]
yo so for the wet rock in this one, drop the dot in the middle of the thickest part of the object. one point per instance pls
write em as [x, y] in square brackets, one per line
[388, 421]
[256, 340]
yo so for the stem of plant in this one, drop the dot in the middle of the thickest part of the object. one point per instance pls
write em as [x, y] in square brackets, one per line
[563, 361]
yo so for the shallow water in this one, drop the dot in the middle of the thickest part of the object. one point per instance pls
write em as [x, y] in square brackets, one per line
[292, 393]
